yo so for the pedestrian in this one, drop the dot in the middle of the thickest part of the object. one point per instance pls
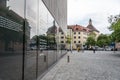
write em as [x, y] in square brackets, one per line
[94, 49]
[78, 49]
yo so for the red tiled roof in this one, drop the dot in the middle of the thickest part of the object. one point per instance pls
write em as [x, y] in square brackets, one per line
[78, 28]
[92, 28]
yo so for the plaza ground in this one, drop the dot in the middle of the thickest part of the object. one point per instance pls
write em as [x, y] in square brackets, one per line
[102, 65]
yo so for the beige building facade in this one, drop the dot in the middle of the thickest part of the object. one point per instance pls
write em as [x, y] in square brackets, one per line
[78, 35]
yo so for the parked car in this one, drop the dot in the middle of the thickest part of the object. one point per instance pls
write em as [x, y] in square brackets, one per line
[100, 49]
[114, 49]
[108, 48]
[33, 48]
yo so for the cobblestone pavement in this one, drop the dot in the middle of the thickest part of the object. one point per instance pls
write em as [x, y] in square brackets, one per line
[102, 65]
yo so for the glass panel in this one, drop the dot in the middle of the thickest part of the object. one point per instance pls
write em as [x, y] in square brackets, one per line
[11, 39]
[47, 39]
[31, 40]
[61, 46]
[40, 41]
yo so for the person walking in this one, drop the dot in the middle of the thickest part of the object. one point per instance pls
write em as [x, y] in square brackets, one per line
[93, 49]
[78, 49]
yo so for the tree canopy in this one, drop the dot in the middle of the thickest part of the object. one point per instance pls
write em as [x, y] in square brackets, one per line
[68, 38]
[115, 27]
[103, 40]
[90, 41]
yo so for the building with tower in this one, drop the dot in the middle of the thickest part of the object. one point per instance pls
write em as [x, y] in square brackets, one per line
[79, 35]
[93, 30]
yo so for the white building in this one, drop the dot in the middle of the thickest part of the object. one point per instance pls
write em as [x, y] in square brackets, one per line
[78, 35]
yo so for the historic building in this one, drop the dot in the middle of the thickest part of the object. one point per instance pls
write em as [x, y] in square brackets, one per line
[78, 35]
[93, 29]
[29, 37]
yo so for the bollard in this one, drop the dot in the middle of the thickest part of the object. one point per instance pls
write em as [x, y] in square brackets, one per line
[44, 58]
[68, 59]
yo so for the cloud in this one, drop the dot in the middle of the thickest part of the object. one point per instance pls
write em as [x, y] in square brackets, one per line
[17, 6]
[31, 12]
[80, 11]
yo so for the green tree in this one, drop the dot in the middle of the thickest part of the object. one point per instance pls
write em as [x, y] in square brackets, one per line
[92, 34]
[68, 41]
[115, 27]
[90, 41]
[68, 38]
[103, 40]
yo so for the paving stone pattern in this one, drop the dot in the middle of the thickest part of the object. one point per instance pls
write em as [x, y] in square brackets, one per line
[102, 65]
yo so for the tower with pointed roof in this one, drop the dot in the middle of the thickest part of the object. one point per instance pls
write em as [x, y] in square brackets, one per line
[93, 29]
[90, 26]
[90, 21]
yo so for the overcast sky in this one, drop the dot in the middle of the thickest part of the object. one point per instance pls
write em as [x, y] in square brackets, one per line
[80, 11]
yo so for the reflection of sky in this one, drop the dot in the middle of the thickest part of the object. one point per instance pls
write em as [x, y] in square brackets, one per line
[45, 19]
[17, 6]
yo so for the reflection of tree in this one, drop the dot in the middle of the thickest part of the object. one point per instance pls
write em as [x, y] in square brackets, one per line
[51, 40]
[51, 36]
[46, 40]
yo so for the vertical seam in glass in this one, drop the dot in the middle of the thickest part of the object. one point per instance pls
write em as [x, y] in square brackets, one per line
[47, 38]
[37, 39]
[23, 59]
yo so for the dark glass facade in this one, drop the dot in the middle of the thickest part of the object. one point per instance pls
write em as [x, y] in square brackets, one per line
[29, 39]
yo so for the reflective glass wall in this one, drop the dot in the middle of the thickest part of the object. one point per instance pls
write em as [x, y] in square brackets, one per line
[31, 33]
[29, 39]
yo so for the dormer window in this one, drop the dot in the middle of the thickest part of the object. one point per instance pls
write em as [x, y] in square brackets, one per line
[84, 29]
[76, 28]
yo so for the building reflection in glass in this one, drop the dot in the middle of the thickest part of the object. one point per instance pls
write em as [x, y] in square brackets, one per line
[11, 41]
[26, 57]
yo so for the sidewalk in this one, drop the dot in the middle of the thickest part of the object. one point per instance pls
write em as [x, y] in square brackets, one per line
[86, 66]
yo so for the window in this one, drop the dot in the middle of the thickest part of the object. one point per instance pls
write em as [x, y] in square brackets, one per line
[62, 37]
[62, 33]
[62, 41]
[84, 29]
[78, 41]
[76, 28]
[74, 37]
[74, 41]
[79, 37]
[79, 33]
